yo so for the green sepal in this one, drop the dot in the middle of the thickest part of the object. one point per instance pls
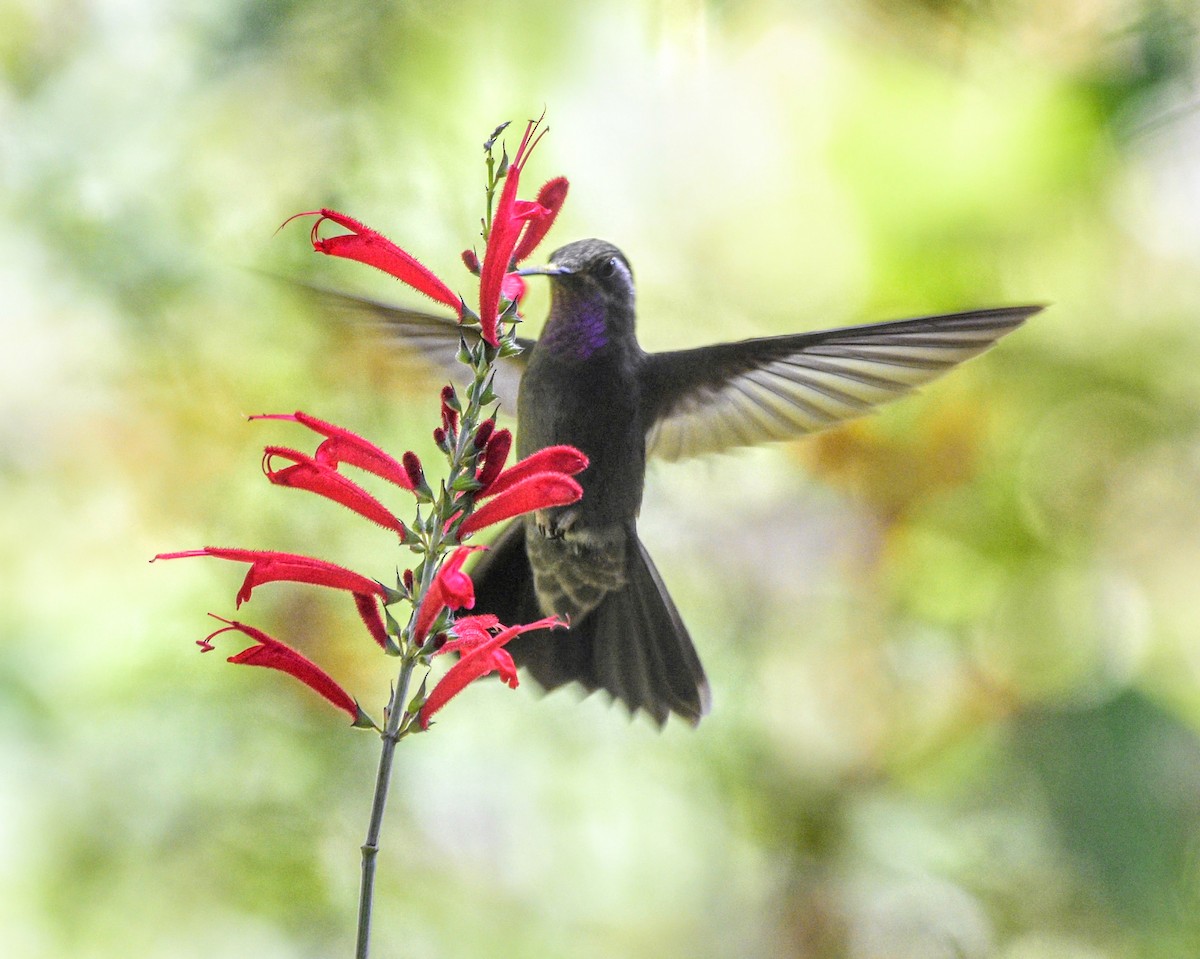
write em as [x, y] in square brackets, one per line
[480, 392]
[363, 721]
[510, 347]
[512, 317]
[418, 700]
[393, 625]
[390, 595]
[422, 492]
[392, 648]
[441, 624]
[466, 484]
[489, 395]
[431, 521]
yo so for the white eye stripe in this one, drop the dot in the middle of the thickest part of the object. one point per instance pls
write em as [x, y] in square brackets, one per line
[622, 271]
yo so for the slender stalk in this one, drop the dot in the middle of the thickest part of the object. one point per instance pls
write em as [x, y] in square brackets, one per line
[370, 848]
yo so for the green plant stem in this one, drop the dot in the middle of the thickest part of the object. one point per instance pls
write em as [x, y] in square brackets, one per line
[370, 848]
[398, 720]
[398, 712]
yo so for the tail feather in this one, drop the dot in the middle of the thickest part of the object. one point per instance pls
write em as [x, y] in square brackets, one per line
[634, 645]
[642, 652]
[504, 586]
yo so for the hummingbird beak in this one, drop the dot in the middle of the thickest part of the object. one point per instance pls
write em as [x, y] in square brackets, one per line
[548, 270]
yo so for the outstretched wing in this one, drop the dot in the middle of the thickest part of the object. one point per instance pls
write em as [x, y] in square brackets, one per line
[433, 339]
[782, 387]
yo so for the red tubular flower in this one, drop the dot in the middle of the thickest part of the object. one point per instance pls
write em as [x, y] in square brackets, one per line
[343, 446]
[484, 433]
[412, 466]
[508, 220]
[495, 456]
[368, 246]
[451, 589]
[513, 287]
[272, 654]
[308, 474]
[449, 412]
[470, 631]
[482, 654]
[539, 491]
[551, 198]
[540, 480]
[267, 566]
[551, 459]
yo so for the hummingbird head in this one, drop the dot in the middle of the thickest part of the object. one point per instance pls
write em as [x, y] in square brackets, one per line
[592, 297]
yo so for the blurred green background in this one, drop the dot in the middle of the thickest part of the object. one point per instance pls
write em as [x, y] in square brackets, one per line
[953, 647]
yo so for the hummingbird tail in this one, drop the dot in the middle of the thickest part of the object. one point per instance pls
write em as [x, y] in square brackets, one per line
[633, 645]
[640, 649]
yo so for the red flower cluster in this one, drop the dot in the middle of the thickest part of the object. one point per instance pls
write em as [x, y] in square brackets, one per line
[484, 490]
[480, 640]
[518, 226]
[539, 481]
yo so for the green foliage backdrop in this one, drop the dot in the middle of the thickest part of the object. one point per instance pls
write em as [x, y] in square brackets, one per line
[954, 647]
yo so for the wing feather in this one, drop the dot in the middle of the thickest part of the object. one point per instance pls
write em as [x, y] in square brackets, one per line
[431, 338]
[775, 388]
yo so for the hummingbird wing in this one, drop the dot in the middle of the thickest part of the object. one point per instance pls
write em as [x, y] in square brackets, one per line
[433, 339]
[782, 387]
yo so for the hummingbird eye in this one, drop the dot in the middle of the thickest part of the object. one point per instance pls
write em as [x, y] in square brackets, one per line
[608, 268]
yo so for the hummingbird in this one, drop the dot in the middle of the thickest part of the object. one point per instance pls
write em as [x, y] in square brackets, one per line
[586, 382]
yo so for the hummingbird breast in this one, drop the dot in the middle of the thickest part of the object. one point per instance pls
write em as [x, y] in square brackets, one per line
[593, 405]
[578, 553]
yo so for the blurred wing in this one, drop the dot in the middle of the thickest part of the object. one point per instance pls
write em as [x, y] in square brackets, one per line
[782, 387]
[432, 338]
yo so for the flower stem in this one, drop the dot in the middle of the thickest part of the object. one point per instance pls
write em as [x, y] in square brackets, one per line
[370, 848]
[397, 714]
